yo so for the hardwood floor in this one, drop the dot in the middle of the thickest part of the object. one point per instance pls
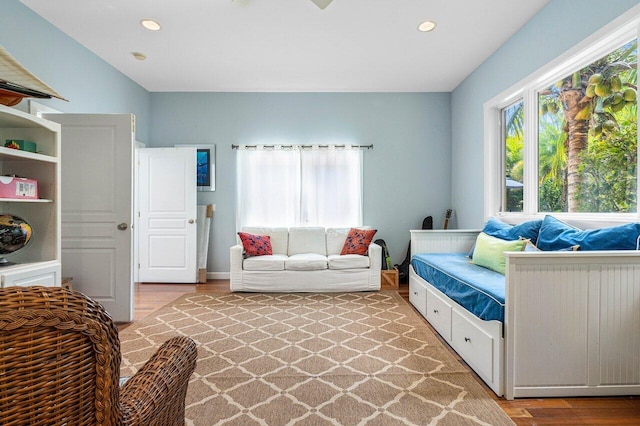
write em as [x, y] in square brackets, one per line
[530, 411]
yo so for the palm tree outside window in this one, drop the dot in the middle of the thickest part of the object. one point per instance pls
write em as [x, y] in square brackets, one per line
[586, 154]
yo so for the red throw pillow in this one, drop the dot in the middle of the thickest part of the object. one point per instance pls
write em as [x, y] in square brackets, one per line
[256, 245]
[358, 241]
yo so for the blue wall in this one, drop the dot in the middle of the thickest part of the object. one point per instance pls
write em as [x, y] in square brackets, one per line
[89, 83]
[428, 147]
[406, 175]
[555, 29]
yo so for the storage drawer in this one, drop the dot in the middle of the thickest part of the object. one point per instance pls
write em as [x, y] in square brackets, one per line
[473, 344]
[45, 275]
[418, 296]
[439, 314]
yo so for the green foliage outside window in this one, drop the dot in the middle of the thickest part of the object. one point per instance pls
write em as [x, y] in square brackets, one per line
[587, 139]
[609, 168]
[514, 163]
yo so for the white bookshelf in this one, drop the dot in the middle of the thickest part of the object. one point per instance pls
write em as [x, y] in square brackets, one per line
[39, 262]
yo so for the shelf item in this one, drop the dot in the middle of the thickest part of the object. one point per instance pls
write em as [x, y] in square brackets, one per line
[20, 144]
[20, 188]
[15, 234]
[18, 82]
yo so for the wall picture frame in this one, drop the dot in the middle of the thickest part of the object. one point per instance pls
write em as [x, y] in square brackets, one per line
[206, 166]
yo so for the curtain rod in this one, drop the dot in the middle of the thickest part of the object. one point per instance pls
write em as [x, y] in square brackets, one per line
[303, 146]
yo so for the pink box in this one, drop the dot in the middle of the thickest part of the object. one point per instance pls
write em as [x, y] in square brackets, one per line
[15, 187]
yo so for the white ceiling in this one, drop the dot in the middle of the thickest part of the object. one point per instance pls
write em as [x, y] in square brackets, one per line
[291, 45]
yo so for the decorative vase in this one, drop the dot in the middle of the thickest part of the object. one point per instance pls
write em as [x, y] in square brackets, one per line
[15, 234]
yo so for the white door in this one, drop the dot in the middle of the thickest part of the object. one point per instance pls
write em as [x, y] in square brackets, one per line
[97, 207]
[167, 196]
[136, 208]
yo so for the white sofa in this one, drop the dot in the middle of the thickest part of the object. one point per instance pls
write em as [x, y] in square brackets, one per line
[305, 259]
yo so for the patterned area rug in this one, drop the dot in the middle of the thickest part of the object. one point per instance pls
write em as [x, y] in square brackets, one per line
[313, 359]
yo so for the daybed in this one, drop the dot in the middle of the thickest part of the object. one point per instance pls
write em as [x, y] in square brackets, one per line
[305, 259]
[568, 323]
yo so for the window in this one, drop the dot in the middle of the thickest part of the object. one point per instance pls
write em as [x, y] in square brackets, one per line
[513, 141]
[295, 186]
[587, 137]
[567, 140]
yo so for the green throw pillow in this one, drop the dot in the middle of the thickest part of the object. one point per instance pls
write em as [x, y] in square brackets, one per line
[489, 251]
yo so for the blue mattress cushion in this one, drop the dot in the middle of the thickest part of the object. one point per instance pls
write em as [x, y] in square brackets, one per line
[479, 290]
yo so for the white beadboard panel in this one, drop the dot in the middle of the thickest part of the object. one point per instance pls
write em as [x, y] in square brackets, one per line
[551, 323]
[443, 241]
[619, 329]
[573, 324]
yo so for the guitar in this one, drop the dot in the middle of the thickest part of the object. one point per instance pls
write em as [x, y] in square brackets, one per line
[447, 216]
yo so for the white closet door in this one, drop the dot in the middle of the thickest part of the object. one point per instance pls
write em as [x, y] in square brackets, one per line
[167, 195]
[97, 209]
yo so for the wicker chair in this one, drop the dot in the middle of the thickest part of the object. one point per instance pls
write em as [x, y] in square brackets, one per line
[60, 365]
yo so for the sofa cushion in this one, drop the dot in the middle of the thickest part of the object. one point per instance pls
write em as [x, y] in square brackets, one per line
[307, 240]
[255, 245]
[264, 263]
[279, 237]
[348, 261]
[335, 240]
[555, 235]
[358, 241]
[305, 262]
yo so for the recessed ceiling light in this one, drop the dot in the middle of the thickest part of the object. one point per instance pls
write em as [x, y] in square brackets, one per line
[150, 24]
[427, 26]
[139, 56]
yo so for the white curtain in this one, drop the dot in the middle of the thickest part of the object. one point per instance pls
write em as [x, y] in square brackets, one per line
[297, 186]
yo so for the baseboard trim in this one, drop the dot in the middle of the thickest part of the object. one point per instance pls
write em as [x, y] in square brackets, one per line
[218, 275]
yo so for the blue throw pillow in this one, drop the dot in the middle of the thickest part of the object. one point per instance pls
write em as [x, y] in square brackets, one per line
[527, 230]
[555, 235]
[497, 228]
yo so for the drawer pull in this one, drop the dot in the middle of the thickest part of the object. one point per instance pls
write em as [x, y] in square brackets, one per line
[466, 339]
[415, 293]
[435, 311]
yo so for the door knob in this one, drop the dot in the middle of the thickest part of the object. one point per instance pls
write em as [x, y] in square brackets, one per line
[191, 221]
[122, 226]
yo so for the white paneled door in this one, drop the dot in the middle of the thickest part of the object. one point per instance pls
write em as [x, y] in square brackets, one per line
[97, 211]
[167, 218]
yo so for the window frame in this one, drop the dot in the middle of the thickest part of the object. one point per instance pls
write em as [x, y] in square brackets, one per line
[599, 44]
